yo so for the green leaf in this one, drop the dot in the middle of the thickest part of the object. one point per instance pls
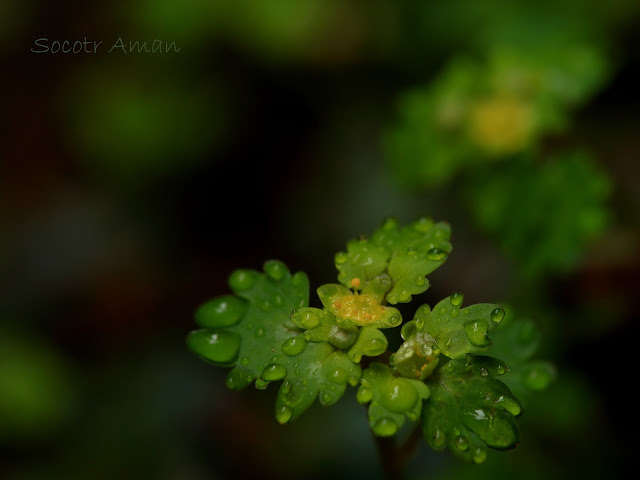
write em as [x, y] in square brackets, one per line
[254, 332]
[362, 260]
[371, 342]
[391, 398]
[340, 333]
[319, 371]
[515, 342]
[404, 256]
[543, 215]
[459, 330]
[469, 410]
[244, 330]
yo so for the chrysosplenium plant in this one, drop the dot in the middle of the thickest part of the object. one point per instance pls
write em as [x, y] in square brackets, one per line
[267, 332]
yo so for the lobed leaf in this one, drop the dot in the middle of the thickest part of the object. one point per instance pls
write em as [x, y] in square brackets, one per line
[406, 255]
[244, 330]
[459, 330]
[516, 341]
[469, 410]
[318, 371]
[392, 398]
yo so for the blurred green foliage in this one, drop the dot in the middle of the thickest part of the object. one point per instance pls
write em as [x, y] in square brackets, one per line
[475, 113]
[37, 388]
[542, 214]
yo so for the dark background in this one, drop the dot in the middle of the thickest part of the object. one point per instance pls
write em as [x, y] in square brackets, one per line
[132, 185]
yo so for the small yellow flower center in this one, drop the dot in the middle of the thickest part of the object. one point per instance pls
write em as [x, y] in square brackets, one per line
[360, 309]
[501, 125]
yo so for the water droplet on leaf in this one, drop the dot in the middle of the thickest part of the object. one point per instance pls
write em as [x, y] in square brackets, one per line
[217, 347]
[283, 414]
[242, 280]
[275, 269]
[497, 315]
[294, 346]
[436, 254]
[274, 372]
[223, 311]
[456, 299]
[385, 427]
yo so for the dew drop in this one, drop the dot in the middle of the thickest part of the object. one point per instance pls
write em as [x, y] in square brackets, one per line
[223, 311]
[294, 346]
[484, 372]
[456, 299]
[497, 315]
[244, 361]
[364, 395]
[385, 427]
[404, 296]
[265, 305]
[260, 332]
[274, 372]
[501, 369]
[455, 312]
[326, 398]
[341, 258]
[480, 455]
[442, 311]
[261, 384]
[338, 376]
[275, 269]
[461, 443]
[409, 329]
[398, 395]
[217, 347]
[421, 281]
[436, 254]
[242, 280]
[306, 318]
[283, 414]
[438, 438]
[477, 332]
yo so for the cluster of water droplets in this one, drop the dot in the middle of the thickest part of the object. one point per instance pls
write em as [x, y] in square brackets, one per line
[392, 398]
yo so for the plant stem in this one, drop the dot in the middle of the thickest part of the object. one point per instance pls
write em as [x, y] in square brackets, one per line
[393, 458]
[390, 460]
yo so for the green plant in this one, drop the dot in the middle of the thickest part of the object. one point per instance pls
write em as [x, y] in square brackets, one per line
[442, 376]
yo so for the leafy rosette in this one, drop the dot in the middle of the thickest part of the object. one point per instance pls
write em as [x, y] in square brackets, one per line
[351, 320]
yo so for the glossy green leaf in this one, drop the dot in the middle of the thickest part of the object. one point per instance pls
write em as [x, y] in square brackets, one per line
[392, 398]
[469, 410]
[406, 255]
[516, 341]
[319, 371]
[244, 330]
[459, 330]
